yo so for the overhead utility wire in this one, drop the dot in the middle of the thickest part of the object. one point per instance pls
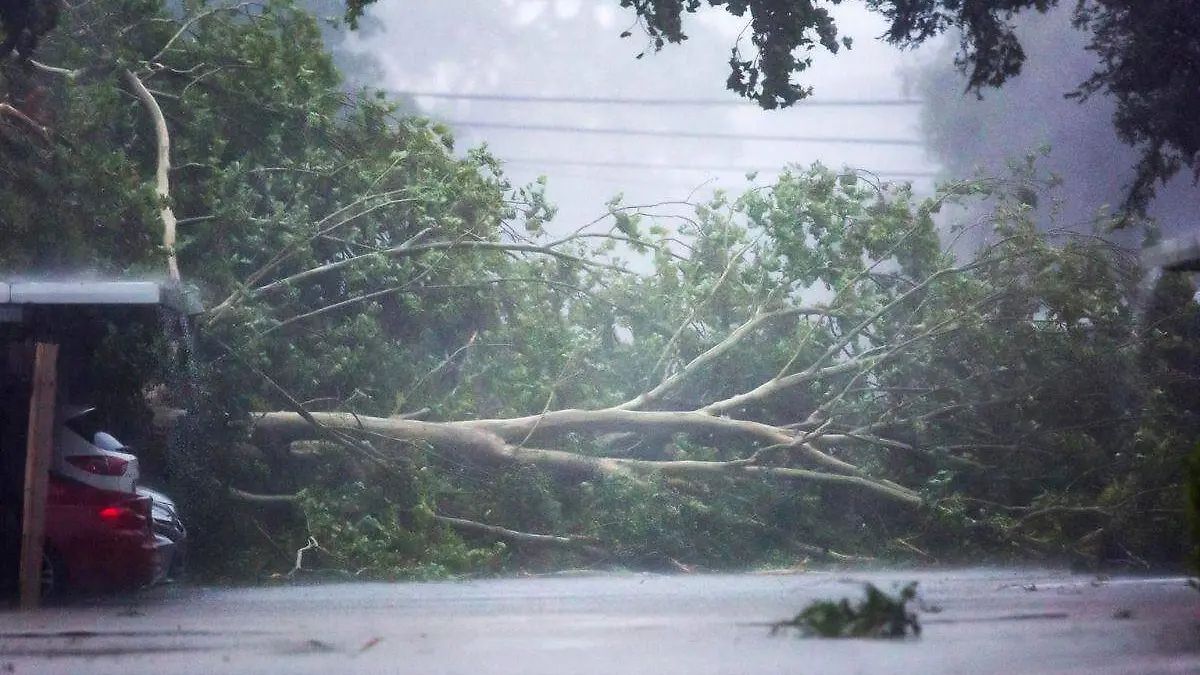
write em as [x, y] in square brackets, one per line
[536, 161]
[586, 100]
[467, 124]
[670, 182]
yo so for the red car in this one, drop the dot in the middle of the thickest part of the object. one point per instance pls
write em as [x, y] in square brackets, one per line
[98, 540]
[103, 531]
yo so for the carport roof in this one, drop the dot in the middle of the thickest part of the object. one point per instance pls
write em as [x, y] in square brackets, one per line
[26, 293]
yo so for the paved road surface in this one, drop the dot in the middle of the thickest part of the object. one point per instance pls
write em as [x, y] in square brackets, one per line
[992, 622]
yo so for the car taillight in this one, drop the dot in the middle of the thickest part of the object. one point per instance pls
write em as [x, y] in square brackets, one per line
[101, 465]
[132, 516]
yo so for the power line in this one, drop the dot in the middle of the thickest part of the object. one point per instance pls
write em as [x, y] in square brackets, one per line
[587, 100]
[673, 183]
[707, 135]
[651, 166]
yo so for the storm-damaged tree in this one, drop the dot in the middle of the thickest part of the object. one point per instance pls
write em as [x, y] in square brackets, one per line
[805, 367]
[810, 337]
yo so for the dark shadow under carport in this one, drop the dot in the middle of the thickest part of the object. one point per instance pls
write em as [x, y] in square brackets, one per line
[49, 336]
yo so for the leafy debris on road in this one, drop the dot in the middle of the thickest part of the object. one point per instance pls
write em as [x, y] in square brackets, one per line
[879, 615]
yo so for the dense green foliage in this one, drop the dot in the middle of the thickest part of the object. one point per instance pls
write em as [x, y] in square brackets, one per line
[805, 369]
[362, 531]
[1147, 51]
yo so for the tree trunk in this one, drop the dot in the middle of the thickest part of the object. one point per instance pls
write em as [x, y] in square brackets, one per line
[492, 441]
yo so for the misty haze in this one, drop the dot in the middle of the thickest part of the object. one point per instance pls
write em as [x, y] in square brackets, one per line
[669, 331]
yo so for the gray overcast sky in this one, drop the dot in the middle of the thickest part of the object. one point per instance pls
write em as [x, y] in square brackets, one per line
[571, 48]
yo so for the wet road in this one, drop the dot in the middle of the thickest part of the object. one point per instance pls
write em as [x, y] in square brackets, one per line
[992, 622]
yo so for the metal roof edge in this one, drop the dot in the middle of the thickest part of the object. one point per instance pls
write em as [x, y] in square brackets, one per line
[181, 298]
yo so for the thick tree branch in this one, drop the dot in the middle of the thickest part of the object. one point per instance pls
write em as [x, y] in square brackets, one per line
[162, 180]
[70, 74]
[716, 351]
[405, 250]
[586, 544]
[246, 289]
[483, 283]
[1091, 511]
[774, 386]
[192, 20]
[486, 439]
[9, 111]
[615, 420]
[344, 216]
[254, 498]
[729, 267]
[693, 468]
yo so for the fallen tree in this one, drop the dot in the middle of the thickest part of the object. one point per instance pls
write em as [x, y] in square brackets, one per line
[870, 391]
[499, 441]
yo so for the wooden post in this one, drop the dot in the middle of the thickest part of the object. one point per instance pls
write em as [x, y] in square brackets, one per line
[38, 453]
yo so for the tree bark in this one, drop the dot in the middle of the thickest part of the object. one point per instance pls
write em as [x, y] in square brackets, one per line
[499, 441]
[162, 181]
[515, 536]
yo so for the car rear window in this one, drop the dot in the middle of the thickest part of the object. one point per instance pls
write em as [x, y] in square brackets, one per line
[86, 425]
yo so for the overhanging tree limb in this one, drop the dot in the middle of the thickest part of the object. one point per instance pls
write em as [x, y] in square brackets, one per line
[162, 179]
[406, 250]
[724, 346]
[730, 266]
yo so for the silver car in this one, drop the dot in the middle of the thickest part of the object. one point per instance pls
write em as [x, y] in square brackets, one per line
[91, 456]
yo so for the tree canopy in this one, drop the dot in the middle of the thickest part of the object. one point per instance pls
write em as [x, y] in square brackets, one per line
[1147, 51]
